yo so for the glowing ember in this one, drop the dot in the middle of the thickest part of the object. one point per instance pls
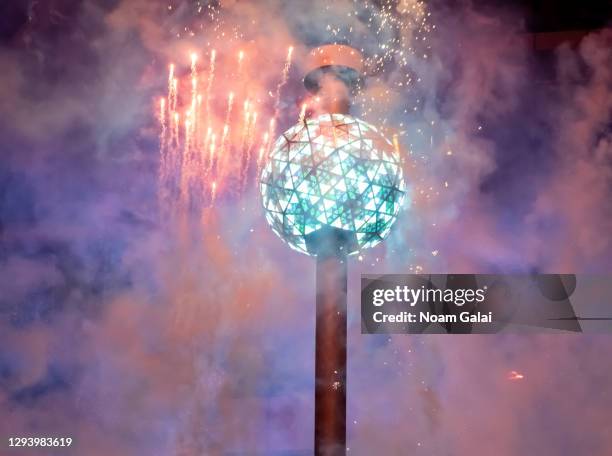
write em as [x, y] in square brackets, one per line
[514, 375]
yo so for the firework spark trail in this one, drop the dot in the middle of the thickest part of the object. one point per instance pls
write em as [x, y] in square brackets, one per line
[219, 170]
[170, 77]
[302, 115]
[245, 124]
[172, 158]
[186, 163]
[162, 122]
[230, 104]
[246, 146]
[198, 120]
[246, 137]
[192, 113]
[169, 140]
[282, 82]
[211, 78]
[163, 132]
[194, 98]
[240, 59]
[193, 161]
[174, 92]
[176, 120]
[396, 144]
[213, 193]
[211, 154]
[243, 85]
[163, 159]
[251, 135]
[194, 71]
[172, 89]
[223, 148]
[270, 132]
[263, 149]
[190, 156]
[205, 149]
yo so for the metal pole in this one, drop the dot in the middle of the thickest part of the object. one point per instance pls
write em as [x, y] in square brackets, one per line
[331, 245]
[330, 354]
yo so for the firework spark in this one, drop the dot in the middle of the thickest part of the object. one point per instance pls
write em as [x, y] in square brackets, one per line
[514, 375]
[282, 82]
[201, 152]
[302, 115]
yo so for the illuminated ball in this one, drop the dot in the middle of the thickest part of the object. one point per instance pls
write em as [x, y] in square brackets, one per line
[332, 171]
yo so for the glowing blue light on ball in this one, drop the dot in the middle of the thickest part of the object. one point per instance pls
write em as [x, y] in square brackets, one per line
[332, 171]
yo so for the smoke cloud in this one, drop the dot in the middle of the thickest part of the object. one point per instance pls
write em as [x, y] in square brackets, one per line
[135, 334]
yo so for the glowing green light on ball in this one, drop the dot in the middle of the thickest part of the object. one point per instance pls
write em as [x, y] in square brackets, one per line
[334, 170]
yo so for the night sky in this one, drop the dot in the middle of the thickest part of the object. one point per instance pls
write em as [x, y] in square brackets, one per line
[146, 326]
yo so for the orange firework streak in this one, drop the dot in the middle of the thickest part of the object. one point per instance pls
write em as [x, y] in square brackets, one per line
[245, 123]
[213, 193]
[172, 89]
[211, 154]
[198, 135]
[283, 81]
[186, 164]
[174, 94]
[194, 95]
[205, 148]
[225, 149]
[302, 116]
[176, 118]
[162, 122]
[240, 58]
[163, 159]
[251, 135]
[211, 78]
[191, 154]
